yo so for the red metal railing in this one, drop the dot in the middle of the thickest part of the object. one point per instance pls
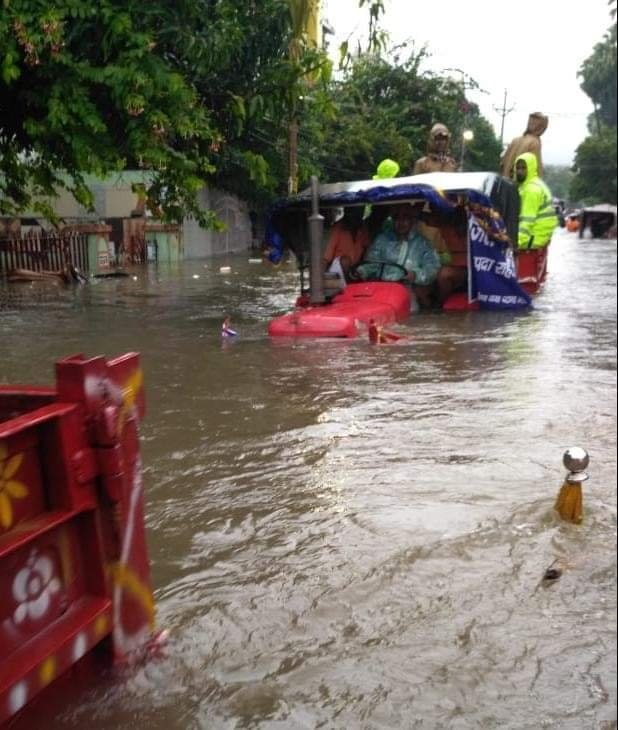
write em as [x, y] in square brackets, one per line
[44, 252]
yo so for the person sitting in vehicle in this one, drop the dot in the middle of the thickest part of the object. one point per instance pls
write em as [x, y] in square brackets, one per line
[348, 241]
[448, 235]
[403, 254]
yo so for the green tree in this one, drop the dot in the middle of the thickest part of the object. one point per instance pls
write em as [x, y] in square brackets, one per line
[599, 78]
[559, 179]
[595, 162]
[384, 109]
[85, 88]
[189, 91]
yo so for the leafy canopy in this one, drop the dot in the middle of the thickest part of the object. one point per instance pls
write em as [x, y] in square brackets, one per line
[86, 88]
[382, 108]
[202, 91]
[595, 159]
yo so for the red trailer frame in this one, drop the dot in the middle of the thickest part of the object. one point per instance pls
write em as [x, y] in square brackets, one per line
[74, 568]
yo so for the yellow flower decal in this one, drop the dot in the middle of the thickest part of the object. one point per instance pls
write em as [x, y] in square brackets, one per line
[130, 391]
[9, 488]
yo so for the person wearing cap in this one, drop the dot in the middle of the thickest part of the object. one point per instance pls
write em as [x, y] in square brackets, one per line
[530, 141]
[416, 261]
[438, 158]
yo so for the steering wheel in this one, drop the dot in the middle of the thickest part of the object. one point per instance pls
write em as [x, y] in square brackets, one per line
[379, 273]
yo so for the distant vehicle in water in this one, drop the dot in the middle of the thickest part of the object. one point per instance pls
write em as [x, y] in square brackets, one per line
[476, 214]
[598, 221]
[572, 222]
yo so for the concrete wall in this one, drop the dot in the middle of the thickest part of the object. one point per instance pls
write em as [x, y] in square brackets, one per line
[200, 243]
[112, 199]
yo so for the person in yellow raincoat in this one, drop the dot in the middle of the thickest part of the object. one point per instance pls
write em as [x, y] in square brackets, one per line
[537, 215]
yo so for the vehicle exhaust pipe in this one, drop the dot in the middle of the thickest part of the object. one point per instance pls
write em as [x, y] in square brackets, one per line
[316, 236]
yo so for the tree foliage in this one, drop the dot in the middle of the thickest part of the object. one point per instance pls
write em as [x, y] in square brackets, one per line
[559, 179]
[595, 162]
[595, 159]
[86, 88]
[181, 89]
[202, 91]
[599, 78]
[383, 109]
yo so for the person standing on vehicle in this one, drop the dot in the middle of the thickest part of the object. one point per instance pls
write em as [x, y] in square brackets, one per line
[537, 216]
[438, 158]
[530, 141]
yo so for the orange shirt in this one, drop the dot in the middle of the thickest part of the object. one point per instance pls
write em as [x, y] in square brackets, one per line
[342, 242]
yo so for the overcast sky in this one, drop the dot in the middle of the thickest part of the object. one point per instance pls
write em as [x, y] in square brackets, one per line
[532, 48]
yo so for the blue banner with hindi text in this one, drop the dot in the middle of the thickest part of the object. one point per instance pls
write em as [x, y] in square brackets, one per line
[493, 272]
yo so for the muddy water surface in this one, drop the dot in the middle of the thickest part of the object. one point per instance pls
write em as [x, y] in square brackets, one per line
[345, 536]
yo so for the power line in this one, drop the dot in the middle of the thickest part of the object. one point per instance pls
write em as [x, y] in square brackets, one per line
[504, 112]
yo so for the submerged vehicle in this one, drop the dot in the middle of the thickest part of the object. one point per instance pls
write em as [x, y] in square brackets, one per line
[598, 221]
[74, 569]
[477, 215]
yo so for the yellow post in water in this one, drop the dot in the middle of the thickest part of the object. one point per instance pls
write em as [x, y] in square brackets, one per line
[570, 503]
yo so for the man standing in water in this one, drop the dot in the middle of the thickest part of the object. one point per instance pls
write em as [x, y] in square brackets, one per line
[530, 141]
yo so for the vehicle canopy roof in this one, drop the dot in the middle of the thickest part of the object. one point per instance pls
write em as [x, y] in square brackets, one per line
[489, 196]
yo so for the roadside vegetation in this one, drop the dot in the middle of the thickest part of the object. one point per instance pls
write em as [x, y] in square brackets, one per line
[596, 159]
[200, 92]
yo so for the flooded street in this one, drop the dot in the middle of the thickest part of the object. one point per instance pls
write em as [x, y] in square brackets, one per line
[344, 536]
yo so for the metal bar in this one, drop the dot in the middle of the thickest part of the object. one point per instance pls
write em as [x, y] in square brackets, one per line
[316, 235]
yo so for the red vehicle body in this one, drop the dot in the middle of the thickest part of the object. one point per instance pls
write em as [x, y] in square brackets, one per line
[383, 302]
[74, 568]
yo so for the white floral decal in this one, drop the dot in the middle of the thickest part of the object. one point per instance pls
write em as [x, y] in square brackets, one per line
[33, 588]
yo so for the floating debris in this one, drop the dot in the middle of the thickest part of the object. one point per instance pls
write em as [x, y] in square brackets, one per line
[226, 329]
[552, 574]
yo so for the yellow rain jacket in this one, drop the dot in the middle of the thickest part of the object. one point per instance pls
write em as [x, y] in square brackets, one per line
[537, 216]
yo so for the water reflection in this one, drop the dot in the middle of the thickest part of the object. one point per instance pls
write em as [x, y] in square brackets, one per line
[350, 536]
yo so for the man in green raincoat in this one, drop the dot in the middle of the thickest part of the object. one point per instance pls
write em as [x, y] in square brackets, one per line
[401, 253]
[537, 216]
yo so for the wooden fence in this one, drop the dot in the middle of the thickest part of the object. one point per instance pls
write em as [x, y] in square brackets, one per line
[44, 252]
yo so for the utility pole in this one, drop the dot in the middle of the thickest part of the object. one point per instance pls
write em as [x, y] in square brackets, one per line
[504, 112]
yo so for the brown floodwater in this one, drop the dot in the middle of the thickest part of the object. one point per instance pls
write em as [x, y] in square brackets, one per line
[345, 536]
